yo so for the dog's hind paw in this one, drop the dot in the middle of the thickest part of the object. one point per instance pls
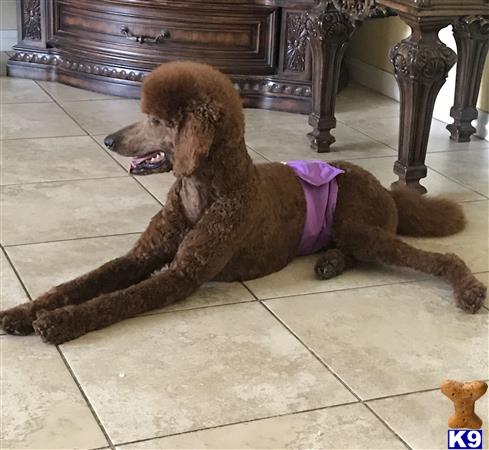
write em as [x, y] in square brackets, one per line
[470, 295]
[331, 264]
[17, 320]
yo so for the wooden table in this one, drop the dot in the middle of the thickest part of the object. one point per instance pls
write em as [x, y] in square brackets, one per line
[421, 65]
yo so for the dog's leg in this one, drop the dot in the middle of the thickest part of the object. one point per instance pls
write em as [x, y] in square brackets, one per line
[367, 243]
[332, 263]
[155, 248]
[203, 254]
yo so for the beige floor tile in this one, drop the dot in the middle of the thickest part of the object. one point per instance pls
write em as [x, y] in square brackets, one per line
[36, 120]
[386, 130]
[357, 101]
[193, 369]
[63, 93]
[74, 209]
[104, 116]
[281, 136]
[45, 265]
[299, 278]
[436, 184]
[41, 405]
[393, 339]
[54, 159]
[11, 291]
[343, 427]
[471, 168]
[421, 419]
[472, 244]
[18, 90]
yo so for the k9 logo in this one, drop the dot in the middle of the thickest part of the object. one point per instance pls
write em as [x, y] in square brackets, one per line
[459, 439]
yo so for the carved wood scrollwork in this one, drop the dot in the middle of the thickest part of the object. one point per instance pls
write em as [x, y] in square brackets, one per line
[422, 62]
[31, 19]
[328, 23]
[361, 9]
[295, 58]
[475, 26]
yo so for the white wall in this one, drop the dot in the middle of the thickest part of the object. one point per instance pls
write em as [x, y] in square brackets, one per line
[8, 24]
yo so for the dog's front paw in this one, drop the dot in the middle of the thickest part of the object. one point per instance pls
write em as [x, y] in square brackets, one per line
[470, 295]
[17, 320]
[58, 326]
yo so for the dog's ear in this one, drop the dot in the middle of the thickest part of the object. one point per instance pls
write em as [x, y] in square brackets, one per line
[193, 140]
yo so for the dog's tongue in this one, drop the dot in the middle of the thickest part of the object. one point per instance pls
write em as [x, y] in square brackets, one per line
[137, 161]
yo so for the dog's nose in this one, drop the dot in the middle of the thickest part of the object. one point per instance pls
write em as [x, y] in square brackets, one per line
[109, 142]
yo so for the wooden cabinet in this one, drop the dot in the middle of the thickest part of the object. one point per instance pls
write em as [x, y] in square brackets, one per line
[110, 45]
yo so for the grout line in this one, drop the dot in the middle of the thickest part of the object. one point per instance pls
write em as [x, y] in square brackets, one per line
[44, 137]
[387, 425]
[249, 290]
[258, 153]
[403, 394]
[354, 288]
[63, 109]
[428, 150]
[157, 313]
[467, 149]
[367, 135]
[457, 182]
[312, 352]
[225, 425]
[72, 239]
[30, 183]
[42, 102]
[17, 274]
[474, 201]
[87, 401]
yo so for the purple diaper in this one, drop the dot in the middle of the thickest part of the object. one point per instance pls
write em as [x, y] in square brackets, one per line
[320, 191]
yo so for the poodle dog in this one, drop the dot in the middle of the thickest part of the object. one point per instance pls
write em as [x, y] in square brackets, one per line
[228, 219]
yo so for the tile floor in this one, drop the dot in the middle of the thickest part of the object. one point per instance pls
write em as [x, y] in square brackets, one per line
[286, 361]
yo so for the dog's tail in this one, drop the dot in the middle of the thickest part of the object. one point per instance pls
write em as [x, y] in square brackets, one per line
[426, 216]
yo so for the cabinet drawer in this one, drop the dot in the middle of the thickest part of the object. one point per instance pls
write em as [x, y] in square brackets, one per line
[232, 39]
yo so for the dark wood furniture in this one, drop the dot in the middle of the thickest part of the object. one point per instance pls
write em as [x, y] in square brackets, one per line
[421, 64]
[110, 45]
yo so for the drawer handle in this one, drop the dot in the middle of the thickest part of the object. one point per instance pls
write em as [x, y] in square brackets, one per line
[164, 35]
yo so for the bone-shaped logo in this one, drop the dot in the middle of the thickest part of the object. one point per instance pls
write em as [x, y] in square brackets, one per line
[464, 396]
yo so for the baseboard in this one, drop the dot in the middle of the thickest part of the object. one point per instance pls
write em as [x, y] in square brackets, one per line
[8, 38]
[385, 83]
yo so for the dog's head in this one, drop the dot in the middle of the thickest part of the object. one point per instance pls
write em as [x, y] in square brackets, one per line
[186, 107]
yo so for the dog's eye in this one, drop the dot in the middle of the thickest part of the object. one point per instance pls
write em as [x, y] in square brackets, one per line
[155, 121]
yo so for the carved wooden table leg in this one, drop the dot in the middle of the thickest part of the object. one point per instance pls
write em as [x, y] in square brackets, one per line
[421, 64]
[472, 37]
[329, 32]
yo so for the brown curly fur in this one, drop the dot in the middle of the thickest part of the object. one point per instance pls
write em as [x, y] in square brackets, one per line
[228, 219]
